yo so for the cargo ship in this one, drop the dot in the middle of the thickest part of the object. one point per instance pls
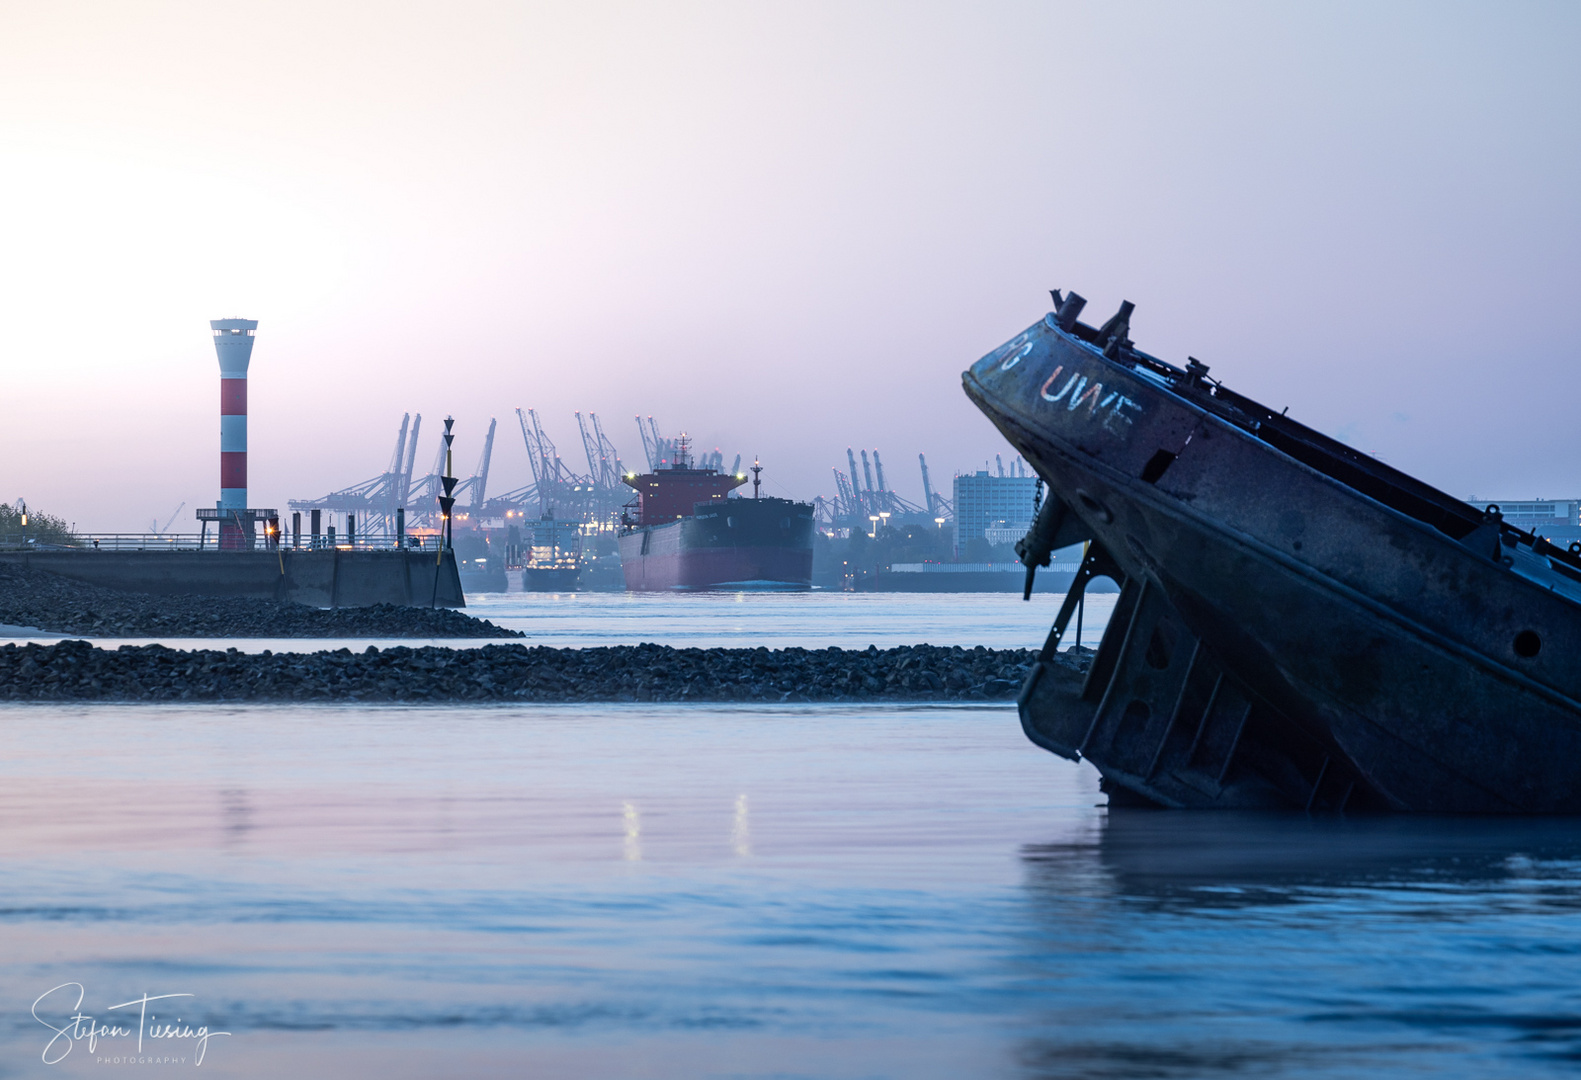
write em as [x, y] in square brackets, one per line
[1299, 624]
[554, 562]
[690, 533]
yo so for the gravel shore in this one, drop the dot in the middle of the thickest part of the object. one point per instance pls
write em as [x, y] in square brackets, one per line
[50, 602]
[76, 671]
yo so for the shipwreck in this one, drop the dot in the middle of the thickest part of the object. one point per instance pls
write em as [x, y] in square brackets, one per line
[1299, 625]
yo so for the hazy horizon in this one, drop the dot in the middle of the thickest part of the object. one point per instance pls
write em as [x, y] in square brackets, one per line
[785, 229]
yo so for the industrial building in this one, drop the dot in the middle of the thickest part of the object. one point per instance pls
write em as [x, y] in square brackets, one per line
[1555, 520]
[1002, 504]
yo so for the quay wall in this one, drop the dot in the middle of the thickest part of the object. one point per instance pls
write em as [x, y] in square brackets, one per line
[332, 578]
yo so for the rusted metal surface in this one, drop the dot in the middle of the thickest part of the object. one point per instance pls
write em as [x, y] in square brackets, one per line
[1299, 625]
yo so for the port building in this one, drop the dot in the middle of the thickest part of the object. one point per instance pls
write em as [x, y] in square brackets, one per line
[996, 508]
[1555, 520]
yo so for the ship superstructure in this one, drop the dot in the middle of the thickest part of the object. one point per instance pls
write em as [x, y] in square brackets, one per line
[554, 561]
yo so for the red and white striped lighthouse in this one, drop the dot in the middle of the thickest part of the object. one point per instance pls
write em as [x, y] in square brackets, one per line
[233, 341]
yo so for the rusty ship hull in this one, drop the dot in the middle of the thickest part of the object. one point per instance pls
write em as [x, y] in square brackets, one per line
[1299, 625]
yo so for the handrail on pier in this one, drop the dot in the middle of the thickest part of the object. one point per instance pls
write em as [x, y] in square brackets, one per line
[201, 542]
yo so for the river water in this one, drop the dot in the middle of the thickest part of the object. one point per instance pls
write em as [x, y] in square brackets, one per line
[727, 620]
[688, 891]
[691, 891]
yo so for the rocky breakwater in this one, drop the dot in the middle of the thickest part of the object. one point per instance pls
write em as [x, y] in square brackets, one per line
[50, 602]
[76, 671]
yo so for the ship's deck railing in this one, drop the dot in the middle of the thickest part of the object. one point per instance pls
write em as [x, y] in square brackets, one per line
[199, 542]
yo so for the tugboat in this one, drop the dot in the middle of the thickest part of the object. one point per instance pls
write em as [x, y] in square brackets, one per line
[690, 534]
[555, 559]
[1299, 625]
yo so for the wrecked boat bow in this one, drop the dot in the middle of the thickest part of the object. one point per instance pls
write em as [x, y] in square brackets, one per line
[1299, 625]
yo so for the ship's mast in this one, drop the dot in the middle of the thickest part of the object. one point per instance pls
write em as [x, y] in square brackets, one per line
[756, 468]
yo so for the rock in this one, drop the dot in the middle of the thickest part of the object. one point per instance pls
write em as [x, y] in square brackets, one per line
[77, 671]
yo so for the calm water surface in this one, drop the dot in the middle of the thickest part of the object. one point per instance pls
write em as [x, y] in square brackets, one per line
[733, 620]
[766, 892]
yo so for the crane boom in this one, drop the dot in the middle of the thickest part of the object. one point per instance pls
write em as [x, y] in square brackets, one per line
[647, 445]
[927, 488]
[659, 448]
[588, 448]
[607, 448]
[160, 531]
[411, 461]
[847, 500]
[534, 456]
[481, 477]
[885, 496]
[400, 446]
[608, 456]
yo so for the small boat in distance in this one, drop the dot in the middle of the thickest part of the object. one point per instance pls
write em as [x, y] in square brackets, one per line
[554, 561]
[689, 533]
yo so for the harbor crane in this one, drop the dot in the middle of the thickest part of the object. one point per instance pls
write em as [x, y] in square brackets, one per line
[171, 520]
[375, 501]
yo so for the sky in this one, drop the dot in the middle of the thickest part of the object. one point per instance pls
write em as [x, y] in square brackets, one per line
[784, 228]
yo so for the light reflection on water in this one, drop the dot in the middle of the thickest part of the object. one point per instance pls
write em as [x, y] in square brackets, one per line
[778, 620]
[693, 891]
[813, 620]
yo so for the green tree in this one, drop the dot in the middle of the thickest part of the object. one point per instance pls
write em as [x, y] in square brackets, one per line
[40, 529]
[977, 550]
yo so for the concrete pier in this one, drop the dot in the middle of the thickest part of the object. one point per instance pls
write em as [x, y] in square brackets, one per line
[322, 578]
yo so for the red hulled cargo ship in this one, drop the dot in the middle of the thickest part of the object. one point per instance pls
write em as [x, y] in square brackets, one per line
[690, 533]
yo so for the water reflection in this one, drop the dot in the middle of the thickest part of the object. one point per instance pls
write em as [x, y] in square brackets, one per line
[741, 830]
[1175, 945]
[236, 814]
[1186, 861]
[633, 822]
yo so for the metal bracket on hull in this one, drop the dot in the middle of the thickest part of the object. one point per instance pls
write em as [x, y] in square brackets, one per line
[1164, 722]
[1056, 527]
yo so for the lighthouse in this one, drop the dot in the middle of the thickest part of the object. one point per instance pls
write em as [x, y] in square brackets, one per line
[233, 342]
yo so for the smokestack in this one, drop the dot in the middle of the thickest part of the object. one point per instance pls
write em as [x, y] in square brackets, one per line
[233, 341]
